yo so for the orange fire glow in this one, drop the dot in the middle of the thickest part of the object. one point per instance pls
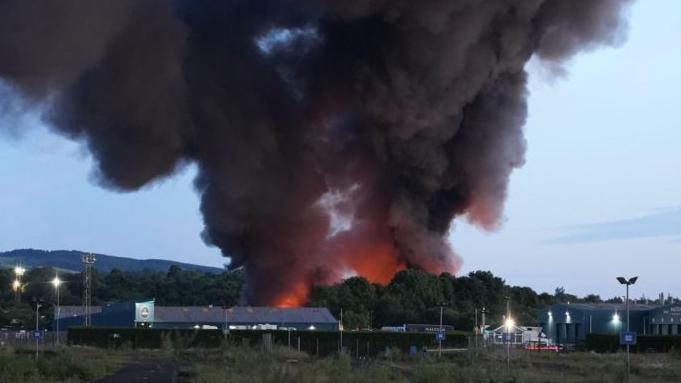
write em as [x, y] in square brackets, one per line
[294, 298]
[377, 264]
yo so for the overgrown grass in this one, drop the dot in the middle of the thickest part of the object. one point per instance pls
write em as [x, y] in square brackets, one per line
[244, 364]
[57, 365]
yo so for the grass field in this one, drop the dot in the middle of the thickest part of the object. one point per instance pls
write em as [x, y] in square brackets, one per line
[18, 365]
[250, 365]
[488, 367]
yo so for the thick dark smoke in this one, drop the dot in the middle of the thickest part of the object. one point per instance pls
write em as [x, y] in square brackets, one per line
[332, 136]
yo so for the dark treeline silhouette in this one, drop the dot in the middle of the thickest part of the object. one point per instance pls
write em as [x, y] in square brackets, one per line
[173, 288]
[412, 296]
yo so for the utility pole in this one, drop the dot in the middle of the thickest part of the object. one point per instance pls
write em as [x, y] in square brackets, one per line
[88, 261]
[439, 339]
[371, 322]
[483, 325]
[340, 327]
[477, 329]
[509, 324]
[37, 328]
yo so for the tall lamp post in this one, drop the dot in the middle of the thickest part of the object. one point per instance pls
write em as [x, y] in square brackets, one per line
[627, 283]
[57, 282]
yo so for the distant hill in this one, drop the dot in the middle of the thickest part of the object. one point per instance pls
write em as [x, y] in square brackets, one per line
[71, 261]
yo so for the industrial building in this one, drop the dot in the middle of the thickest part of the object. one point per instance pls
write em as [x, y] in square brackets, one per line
[146, 314]
[570, 323]
[665, 320]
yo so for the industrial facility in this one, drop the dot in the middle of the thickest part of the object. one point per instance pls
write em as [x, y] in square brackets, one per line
[146, 314]
[570, 323]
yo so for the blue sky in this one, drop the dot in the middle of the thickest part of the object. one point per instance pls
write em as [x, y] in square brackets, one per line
[600, 194]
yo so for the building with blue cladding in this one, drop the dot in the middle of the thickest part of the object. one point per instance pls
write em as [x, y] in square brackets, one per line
[145, 314]
[571, 323]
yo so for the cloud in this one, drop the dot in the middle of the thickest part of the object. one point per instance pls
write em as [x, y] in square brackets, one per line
[663, 224]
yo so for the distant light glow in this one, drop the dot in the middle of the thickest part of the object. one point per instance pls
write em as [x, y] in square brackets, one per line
[616, 317]
[510, 323]
[56, 282]
[16, 285]
[312, 328]
[19, 271]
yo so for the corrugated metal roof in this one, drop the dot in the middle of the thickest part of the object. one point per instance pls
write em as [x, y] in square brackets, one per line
[189, 314]
[258, 315]
[279, 315]
[607, 306]
[208, 314]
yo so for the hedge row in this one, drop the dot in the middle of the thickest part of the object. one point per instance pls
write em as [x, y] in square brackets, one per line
[322, 343]
[603, 343]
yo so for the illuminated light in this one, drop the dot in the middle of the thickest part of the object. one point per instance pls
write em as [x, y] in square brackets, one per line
[19, 271]
[56, 282]
[16, 285]
[509, 323]
[616, 317]
[312, 328]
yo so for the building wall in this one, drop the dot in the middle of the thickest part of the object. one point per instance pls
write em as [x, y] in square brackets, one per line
[142, 314]
[571, 324]
[665, 320]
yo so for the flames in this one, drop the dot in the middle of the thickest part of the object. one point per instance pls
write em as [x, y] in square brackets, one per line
[296, 297]
[378, 264]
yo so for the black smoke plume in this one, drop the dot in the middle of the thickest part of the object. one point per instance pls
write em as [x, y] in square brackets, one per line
[332, 136]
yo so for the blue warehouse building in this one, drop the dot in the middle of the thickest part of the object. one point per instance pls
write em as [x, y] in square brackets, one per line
[146, 314]
[571, 323]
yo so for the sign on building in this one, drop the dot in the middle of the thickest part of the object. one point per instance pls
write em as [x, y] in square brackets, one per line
[144, 312]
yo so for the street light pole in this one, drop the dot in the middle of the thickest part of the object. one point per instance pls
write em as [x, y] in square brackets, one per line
[627, 283]
[57, 282]
[37, 319]
[628, 329]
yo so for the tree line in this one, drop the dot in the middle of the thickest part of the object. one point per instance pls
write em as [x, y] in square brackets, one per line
[412, 297]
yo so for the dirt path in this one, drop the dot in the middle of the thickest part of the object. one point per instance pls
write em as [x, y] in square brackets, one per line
[147, 371]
